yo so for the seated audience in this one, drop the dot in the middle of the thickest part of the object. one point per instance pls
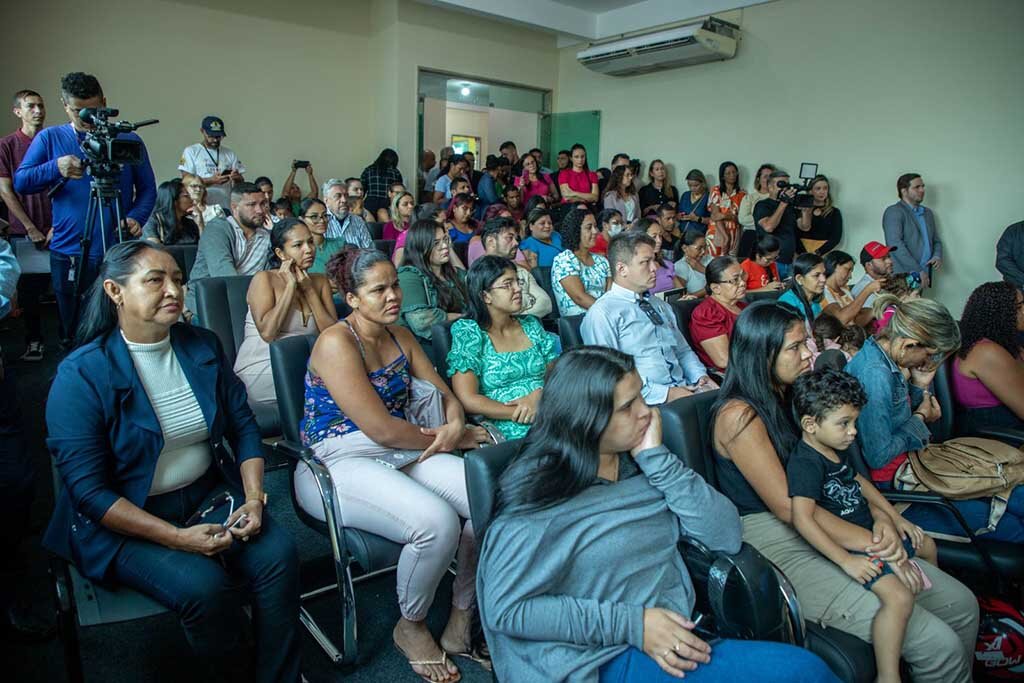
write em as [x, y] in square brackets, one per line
[433, 290]
[236, 245]
[313, 213]
[384, 215]
[266, 186]
[400, 216]
[175, 218]
[724, 202]
[756, 194]
[877, 261]
[292, 192]
[423, 212]
[671, 235]
[829, 334]
[621, 195]
[918, 336]
[196, 189]
[133, 419]
[665, 278]
[284, 301]
[500, 237]
[340, 221]
[281, 208]
[627, 317]
[377, 179]
[1010, 254]
[753, 432]
[659, 190]
[356, 200]
[459, 186]
[826, 220]
[498, 356]
[988, 371]
[578, 183]
[513, 199]
[610, 224]
[840, 302]
[808, 285]
[535, 183]
[695, 258]
[458, 168]
[543, 240]
[385, 424]
[693, 205]
[563, 160]
[578, 278]
[459, 218]
[713, 319]
[476, 246]
[774, 215]
[559, 599]
[821, 476]
[495, 171]
[762, 273]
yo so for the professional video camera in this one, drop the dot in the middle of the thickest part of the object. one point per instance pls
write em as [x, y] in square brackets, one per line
[106, 155]
[801, 198]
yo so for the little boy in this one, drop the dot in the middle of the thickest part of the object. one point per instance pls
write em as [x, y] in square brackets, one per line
[818, 471]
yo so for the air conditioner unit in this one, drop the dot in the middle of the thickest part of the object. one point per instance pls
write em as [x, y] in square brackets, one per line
[710, 41]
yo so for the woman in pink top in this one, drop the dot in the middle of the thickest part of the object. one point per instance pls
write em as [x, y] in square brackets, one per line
[533, 183]
[402, 206]
[988, 372]
[578, 183]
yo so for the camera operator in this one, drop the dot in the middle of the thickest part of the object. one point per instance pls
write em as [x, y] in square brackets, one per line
[775, 215]
[56, 153]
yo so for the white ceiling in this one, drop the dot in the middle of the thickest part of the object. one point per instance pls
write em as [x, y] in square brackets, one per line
[576, 21]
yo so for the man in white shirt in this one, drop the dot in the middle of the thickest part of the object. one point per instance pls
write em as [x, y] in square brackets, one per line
[217, 166]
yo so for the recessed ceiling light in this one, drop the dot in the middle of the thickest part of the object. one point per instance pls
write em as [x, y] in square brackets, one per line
[465, 92]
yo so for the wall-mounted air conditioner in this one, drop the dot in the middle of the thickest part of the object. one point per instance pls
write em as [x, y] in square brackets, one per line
[712, 40]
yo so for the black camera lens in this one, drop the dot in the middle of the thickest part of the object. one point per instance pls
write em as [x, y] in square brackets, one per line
[781, 184]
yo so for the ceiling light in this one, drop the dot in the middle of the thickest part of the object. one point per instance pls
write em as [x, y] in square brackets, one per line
[465, 92]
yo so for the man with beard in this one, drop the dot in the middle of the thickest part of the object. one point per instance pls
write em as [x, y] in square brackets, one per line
[235, 245]
[877, 261]
[340, 222]
[217, 166]
[500, 237]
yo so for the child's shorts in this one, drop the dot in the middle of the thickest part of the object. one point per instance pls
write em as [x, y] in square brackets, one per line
[886, 569]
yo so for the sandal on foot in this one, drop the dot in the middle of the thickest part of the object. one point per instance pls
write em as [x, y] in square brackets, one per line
[479, 655]
[443, 663]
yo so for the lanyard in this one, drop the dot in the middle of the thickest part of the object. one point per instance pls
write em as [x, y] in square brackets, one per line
[216, 162]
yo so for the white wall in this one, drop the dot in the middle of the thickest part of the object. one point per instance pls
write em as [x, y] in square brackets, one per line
[464, 119]
[868, 89]
[434, 124]
[518, 126]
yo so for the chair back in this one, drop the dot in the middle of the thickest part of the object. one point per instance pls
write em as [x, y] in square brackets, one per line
[748, 240]
[221, 307]
[484, 467]
[185, 255]
[385, 246]
[944, 428]
[686, 431]
[288, 360]
[542, 274]
[441, 344]
[762, 294]
[462, 250]
[683, 311]
[569, 332]
[376, 230]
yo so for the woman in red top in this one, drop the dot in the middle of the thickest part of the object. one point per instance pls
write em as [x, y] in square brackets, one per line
[578, 183]
[712, 321]
[762, 273]
[724, 203]
[534, 183]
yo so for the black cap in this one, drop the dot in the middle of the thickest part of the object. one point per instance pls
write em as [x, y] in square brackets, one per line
[214, 125]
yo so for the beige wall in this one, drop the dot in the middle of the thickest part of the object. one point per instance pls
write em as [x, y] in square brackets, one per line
[435, 135]
[867, 89]
[470, 121]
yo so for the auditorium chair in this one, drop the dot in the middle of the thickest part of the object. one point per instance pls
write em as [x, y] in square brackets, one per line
[440, 345]
[950, 424]
[542, 274]
[461, 249]
[185, 255]
[351, 549]
[569, 332]
[764, 294]
[686, 426]
[385, 246]
[684, 310]
[376, 230]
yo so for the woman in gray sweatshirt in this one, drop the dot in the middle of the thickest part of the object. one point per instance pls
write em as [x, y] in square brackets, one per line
[580, 578]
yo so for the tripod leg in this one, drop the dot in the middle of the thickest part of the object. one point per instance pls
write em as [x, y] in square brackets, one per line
[79, 266]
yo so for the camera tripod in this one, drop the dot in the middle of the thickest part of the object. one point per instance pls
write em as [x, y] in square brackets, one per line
[104, 196]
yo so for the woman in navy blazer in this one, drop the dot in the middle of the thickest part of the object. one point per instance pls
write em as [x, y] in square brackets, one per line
[121, 518]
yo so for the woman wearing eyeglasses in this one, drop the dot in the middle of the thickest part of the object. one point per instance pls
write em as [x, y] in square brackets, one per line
[713, 319]
[498, 357]
[313, 213]
[433, 290]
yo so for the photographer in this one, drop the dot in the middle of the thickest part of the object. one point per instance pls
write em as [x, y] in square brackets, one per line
[56, 153]
[775, 215]
[292, 192]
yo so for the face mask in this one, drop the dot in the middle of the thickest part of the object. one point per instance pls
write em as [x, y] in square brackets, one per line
[615, 228]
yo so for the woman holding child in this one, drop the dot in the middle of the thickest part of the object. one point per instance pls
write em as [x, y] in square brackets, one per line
[753, 437]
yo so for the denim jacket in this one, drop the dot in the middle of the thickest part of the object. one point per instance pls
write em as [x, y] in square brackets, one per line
[886, 427]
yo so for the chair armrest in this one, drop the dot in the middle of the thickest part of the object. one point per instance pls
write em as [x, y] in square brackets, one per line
[325, 486]
[1014, 437]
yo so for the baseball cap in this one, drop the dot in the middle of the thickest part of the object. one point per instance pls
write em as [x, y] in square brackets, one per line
[214, 125]
[873, 250]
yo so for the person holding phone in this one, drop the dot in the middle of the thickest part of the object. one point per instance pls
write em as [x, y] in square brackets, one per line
[137, 418]
[217, 165]
[291, 190]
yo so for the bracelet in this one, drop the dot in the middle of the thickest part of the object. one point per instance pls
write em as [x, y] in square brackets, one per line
[261, 497]
[920, 415]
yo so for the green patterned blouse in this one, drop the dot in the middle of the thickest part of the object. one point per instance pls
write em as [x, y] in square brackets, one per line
[502, 376]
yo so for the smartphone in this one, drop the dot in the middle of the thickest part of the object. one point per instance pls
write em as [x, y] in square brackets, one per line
[226, 172]
[300, 164]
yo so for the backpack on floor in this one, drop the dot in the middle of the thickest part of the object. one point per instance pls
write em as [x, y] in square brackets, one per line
[999, 651]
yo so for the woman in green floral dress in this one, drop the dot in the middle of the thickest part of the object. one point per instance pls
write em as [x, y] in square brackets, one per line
[498, 358]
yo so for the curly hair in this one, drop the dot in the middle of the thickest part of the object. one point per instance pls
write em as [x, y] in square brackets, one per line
[81, 86]
[991, 313]
[347, 268]
[571, 227]
[818, 393]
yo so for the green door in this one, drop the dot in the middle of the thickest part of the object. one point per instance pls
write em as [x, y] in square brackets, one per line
[563, 130]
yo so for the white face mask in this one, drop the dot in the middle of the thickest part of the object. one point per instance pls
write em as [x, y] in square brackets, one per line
[614, 229]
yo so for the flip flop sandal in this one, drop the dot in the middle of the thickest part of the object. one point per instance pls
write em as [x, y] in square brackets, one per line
[479, 655]
[443, 663]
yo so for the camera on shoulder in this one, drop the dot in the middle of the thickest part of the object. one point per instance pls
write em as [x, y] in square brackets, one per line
[798, 195]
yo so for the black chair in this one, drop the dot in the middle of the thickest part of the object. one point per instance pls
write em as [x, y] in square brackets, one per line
[569, 332]
[385, 246]
[686, 425]
[441, 344]
[185, 255]
[350, 548]
[748, 240]
[952, 424]
[684, 310]
[542, 274]
[221, 307]
[376, 230]
[762, 294]
[461, 250]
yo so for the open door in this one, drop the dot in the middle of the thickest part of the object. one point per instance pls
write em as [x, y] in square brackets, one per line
[563, 130]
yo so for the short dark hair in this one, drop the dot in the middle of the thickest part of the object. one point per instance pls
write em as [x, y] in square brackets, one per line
[666, 207]
[22, 94]
[494, 228]
[353, 179]
[264, 180]
[505, 145]
[766, 244]
[536, 149]
[565, 152]
[282, 203]
[81, 86]
[903, 182]
[622, 247]
[620, 155]
[821, 392]
[241, 189]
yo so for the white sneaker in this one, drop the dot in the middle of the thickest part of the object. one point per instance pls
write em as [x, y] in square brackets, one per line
[34, 353]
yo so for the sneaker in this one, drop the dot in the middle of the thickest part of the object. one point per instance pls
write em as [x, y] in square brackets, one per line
[34, 353]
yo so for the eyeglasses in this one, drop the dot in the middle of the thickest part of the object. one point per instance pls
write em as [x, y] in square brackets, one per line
[316, 217]
[649, 311]
[735, 282]
[511, 285]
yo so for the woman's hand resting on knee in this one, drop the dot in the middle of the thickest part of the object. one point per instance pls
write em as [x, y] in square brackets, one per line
[202, 539]
[669, 641]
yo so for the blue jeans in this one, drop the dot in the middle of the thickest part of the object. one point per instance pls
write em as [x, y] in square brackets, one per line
[732, 661]
[64, 287]
[975, 512]
[204, 591]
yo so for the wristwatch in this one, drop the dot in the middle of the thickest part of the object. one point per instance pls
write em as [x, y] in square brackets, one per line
[261, 497]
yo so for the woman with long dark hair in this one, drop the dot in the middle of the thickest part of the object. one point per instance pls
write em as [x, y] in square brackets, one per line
[534, 183]
[433, 290]
[665, 277]
[459, 218]
[498, 357]
[377, 179]
[724, 202]
[693, 205]
[762, 273]
[578, 183]
[808, 286]
[753, 433]
[659, 189]
[839, 300]
[543, 240]
[175, 219]
[313, 212]
[988, 371]
[621, 195]
[826, 220]
[559, 599]
[136, 418]
[578, 277]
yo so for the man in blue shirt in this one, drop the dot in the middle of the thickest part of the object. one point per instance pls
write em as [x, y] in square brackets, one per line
[56, 153]
[910, 227]
[629, 319]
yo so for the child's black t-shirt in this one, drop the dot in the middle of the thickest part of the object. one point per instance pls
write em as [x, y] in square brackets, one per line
[832, 484]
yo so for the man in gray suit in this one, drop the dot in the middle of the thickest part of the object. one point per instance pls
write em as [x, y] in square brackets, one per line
[910, 228]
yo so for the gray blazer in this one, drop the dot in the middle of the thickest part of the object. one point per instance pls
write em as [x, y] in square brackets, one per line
[902, 231]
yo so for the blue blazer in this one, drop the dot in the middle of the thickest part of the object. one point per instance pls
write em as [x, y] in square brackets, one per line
[105, 438]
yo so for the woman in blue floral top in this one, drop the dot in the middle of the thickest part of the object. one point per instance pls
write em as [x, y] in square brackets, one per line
[498, 358]
[579, 277]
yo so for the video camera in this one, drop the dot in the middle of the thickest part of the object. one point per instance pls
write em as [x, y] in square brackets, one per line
[801, 198]
[105, 154]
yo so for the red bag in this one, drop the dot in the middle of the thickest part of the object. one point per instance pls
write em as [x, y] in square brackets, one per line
[999, 652]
